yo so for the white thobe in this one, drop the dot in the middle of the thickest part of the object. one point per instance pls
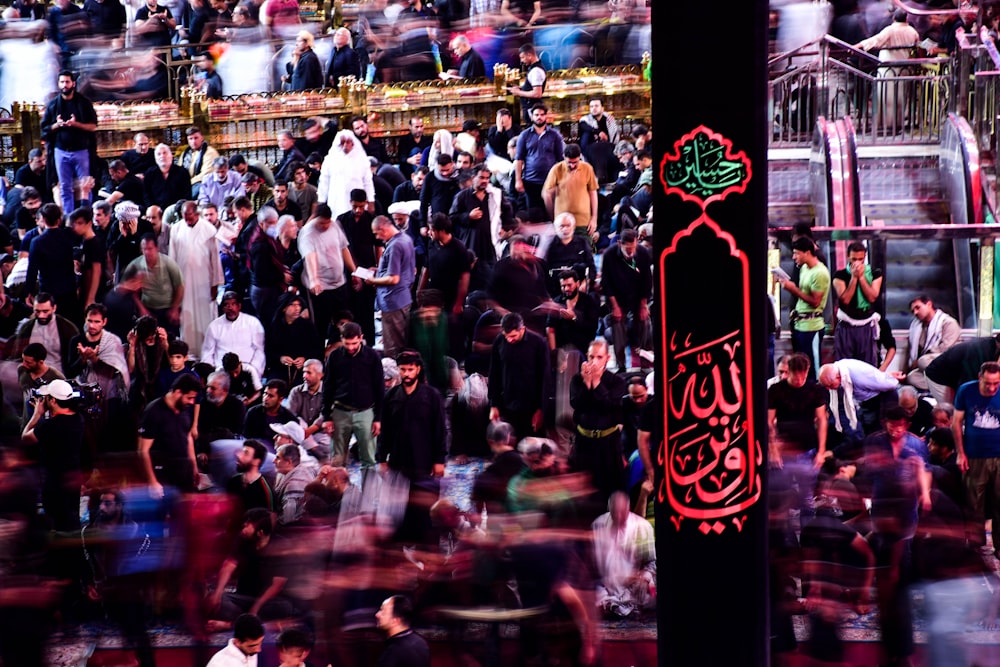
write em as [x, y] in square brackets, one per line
[196, 253]
[244, 336]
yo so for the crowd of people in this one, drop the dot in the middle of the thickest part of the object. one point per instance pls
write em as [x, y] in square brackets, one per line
[883, 478]
[257, 376]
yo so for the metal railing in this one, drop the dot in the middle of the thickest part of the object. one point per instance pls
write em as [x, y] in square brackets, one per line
[902, 101]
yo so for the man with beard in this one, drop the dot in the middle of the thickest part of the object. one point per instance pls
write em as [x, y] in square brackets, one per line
[627, 282]
[237, 332]
[575, 324]
[166, 183]
[221, 414]
[289, 155]
[54, 332]
[122, 185]
[327, 263]
[223, 183]
[198, 158]
[50, 262]
[449, 266]
[32, 175]
[519, 371]
[571, 187]
[98, 353]
[410, 190]
[166, 445]
[539, 148]
[196, 252]
[412, 441]
[245, 645]
[568, 250]
[353, 393]
[68, 126]
[373, 147]
[403, 646]
[270, 411]
[139, 159]
[411, 147]
[392, 280]
[248, 486]
[477, 214]
[440, 188]
[357, 226]
[301, 191]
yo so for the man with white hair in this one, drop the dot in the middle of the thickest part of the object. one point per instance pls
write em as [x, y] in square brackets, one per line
[305, 401]
[167, 182]
[856, 390]
[470, 63]
[343, 58]
[194, 248]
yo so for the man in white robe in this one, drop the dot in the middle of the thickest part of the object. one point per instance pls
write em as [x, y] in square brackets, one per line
[194, 248]
[625, 550]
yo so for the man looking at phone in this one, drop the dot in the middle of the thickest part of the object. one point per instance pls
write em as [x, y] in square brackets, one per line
[858, 288]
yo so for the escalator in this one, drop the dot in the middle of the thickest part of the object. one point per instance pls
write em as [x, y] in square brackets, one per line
[927, 186]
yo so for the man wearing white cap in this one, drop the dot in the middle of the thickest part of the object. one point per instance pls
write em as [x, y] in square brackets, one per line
[59, 440]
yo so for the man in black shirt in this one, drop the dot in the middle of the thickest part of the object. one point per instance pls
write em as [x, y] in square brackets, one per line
[221, 414]
[139, 158]
[50, 263]
[411, 147]
[403, 646]
[353, 395]
[122, 185]
[68, 125]
[166, 183]
[627, 280]
[33, 174]
[366, 251]
[166, 447]
[248, 486]
[270, 411]
[519, 372]
[796, 414]
[575, 324]
[412, 440]
[59, 441]
[93, 278]
[449, 265]
[373, 147]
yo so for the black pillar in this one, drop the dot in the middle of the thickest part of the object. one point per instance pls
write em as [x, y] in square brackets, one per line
[709, 111]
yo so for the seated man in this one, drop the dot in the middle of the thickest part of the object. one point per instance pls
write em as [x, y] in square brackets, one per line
[234, 331]
[932, 332]
[248, 486]
[625, 552]
[290, 486]
[270, 411]
[221, 414]
[244, 381]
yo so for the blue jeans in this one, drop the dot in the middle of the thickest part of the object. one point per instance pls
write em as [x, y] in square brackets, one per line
[71, 166]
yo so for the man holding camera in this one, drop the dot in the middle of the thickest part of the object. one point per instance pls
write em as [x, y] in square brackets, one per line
[56, 430]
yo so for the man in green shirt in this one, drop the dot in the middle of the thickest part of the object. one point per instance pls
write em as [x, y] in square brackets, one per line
[162, 287]
[811, 294]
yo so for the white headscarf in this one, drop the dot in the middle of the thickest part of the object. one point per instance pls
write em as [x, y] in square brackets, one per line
[344, 171]
[442, 137]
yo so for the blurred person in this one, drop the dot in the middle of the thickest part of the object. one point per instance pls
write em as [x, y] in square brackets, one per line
[294, 646]
[327, 263]
[392, 280]
[626, 280]
[153, 25]
[50, 262]
[442, 143]
[976, 427]
[574, 325]
[198, 158]
[234, 331]
[942, 414]
[68, 125]
[518, 376]
[412, 440]
[146, 354]
[518, 282]
[353, 397]
[209, 82]
[304, 72]
[539, 148]
[139, 159]
[248, 487]
[625, 552]
[943, 458]
[595, 396]
[318, 133]
[489, 491]
[270, 276]
[166, 445]
[195, 250]
[244, 646]
[282, 16]
[568, 250]
[124, 238]
[571, 187]
[291, 340]
[93, 279]
[345, 168]
[634, 402]
[270, 411]
[220, 184]
[163, 285]
[258, 192]
[343, 60]
[56, 431]
[403, 646]
[932, 332]
[410, 148]
[961, 363]
[167, 182]
[289, 155]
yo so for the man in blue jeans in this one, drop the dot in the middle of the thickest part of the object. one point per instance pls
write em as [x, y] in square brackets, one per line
[68, 126]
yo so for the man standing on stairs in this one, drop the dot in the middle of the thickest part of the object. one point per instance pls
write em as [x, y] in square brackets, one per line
[858, 288]
[811, 294]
